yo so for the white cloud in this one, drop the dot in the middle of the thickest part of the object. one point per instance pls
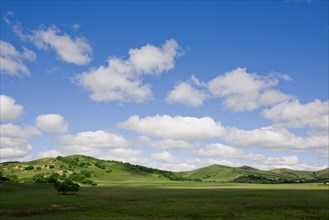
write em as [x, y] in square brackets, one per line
[184, 93]
[177, 167]
[243, 91]
[165, 144]
[276, 138]
[50, 153]
[76, 50]
[125, 155]
[94, 139]
[219, 150]
[154, 60]
[11, 61]
[176, 128]
[169, 144]
[293, 114]
[14, 140]
[9, 109]
[90, 143]
[273, 161]
[267, 137]
[222, 162]
[115, 83]
[72, 50]
[52, 123]
[121, 80]
[164, 156]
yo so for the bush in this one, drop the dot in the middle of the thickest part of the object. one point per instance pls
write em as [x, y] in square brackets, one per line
[51, 167]
[53, 178]
[67, 186]
[30, 167]
[39, 178]
[100, 165]
[71, 161]
[85, 173]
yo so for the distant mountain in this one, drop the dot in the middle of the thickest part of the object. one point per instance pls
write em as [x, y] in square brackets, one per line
[246, 174]
[92, 171]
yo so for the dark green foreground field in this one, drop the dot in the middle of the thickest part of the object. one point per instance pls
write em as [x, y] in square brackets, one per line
[186, 200]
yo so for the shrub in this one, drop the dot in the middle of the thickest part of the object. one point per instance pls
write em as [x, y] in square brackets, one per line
[53, 178]
[39, 178]
[85, 173]
[30, 167]
[100, 165]
[67, 186]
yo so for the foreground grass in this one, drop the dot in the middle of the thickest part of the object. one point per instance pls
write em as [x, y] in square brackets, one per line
[177, 200]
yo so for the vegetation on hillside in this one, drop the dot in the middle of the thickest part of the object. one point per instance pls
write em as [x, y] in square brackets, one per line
[91, 171]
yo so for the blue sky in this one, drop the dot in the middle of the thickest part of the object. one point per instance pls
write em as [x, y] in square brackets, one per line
[171, 85]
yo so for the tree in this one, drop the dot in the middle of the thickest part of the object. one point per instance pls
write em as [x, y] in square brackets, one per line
[67, 186]
[39, 178]
[30, 167]
[53, 178]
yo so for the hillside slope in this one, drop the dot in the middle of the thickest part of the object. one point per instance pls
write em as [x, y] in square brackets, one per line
[245, 174]
[92, 171]
[86, 170]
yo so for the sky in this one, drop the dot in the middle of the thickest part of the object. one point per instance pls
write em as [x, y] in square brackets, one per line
[169, 85]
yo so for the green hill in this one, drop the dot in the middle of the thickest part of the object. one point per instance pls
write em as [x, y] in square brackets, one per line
[92, 171]
[86, 170]
[245, 174]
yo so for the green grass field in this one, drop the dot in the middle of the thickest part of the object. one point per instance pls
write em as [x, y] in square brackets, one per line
[167, 200]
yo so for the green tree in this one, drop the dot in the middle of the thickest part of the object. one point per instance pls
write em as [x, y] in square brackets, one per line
[53, 178]
[30, 167]
[67, 186]
[39, 178]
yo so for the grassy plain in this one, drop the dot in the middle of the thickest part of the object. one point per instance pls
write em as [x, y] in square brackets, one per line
[166, 200]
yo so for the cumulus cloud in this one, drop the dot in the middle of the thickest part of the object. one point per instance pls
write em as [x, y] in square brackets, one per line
[50, 153]
[9, 109]
[71, 50]
[222, 162]
[121, 80]
[293, 114]
[185, 93]
[90, 143]
[176, 128]
[125, 155]
[52, 123]
[164, 156]
[276, 138]
[150, 59]
[219, 150]
[166, 144]
[12, 61]
[76, 50]
[170, 144]
[273, 161]
[267, 137]
[14, 140]
[94, 139]
[243, 91]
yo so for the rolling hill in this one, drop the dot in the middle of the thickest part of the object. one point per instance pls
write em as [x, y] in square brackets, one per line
[92, 171]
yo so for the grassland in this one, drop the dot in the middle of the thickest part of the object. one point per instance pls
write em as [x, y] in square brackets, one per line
[110, 172]
[175, 200]
[126, 191]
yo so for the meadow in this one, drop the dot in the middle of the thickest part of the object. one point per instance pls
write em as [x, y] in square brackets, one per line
[166, 200]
